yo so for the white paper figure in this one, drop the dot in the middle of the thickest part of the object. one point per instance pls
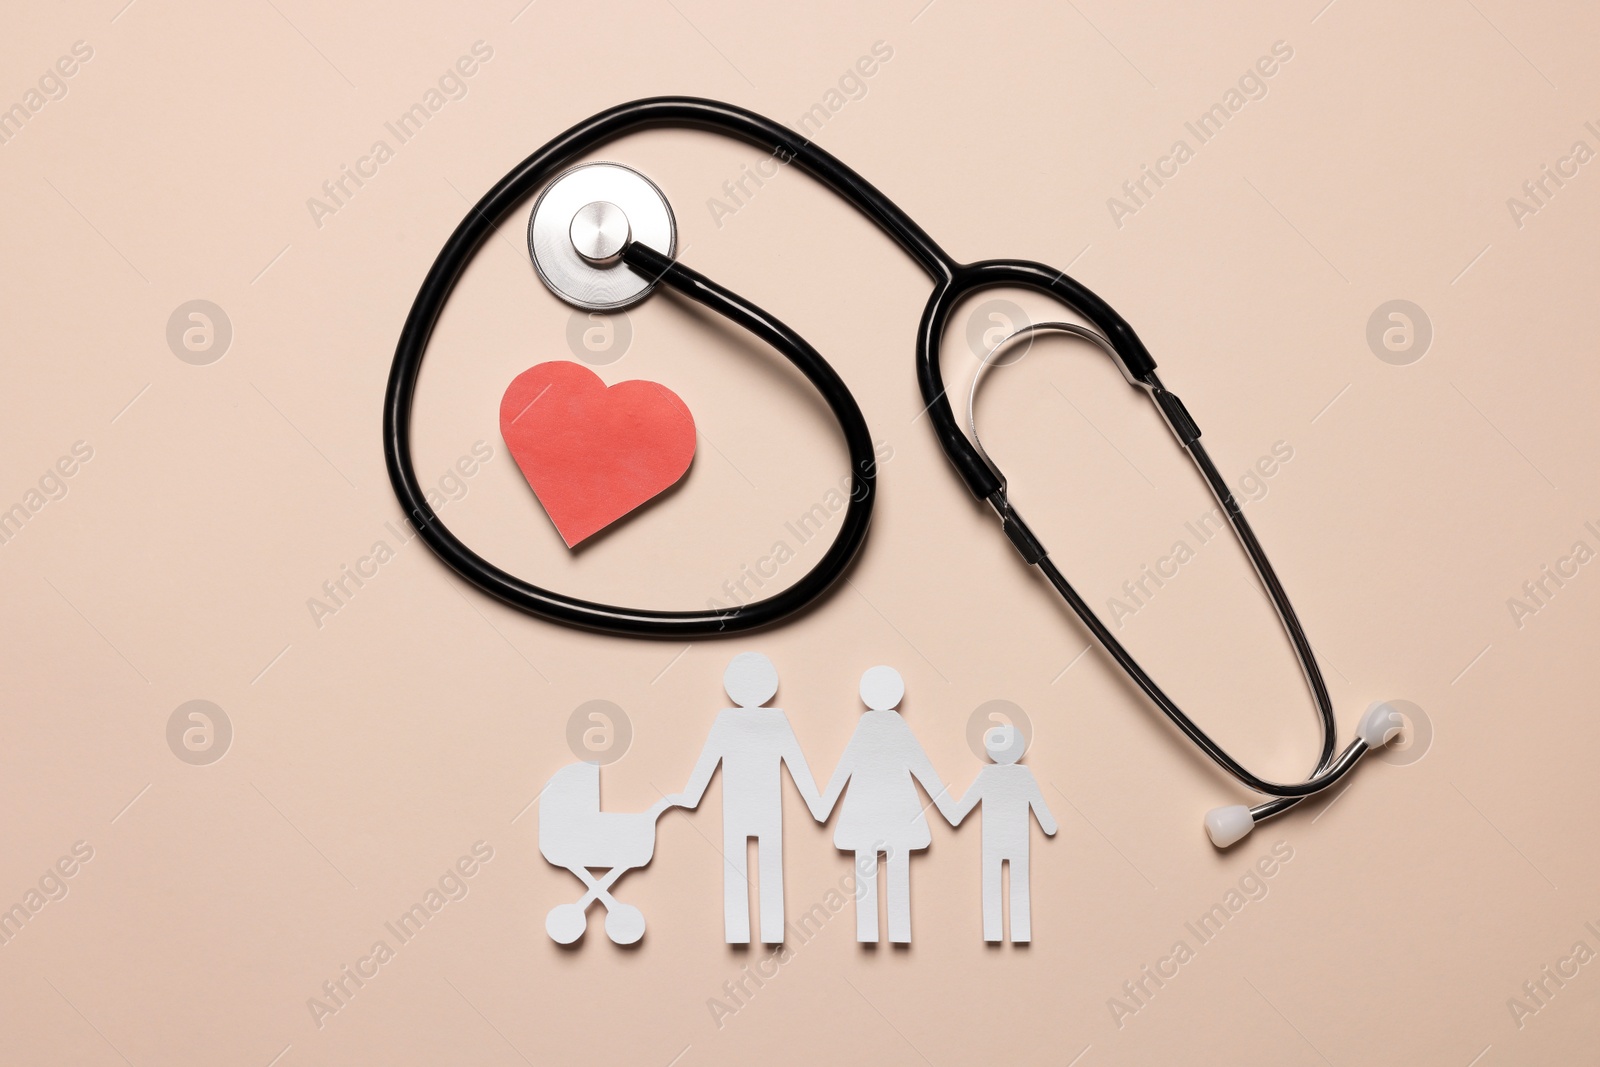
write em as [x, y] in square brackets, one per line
[1010, 796]
[882, 812]
[574, 833]
[751, 742]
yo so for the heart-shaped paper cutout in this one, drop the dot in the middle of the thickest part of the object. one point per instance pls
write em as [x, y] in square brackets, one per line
[592, 453]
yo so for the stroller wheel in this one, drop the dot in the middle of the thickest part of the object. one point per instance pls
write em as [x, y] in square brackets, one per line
[566, 923]
[625, 924]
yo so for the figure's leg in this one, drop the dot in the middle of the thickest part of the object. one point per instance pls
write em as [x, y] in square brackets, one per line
[866, 896]
[900, 896]
[991, 898]
[1021, 906]
[769, 867]
[735, 889]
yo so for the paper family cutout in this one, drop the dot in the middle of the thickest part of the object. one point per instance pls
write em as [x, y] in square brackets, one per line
[874, 786]
[594, 453]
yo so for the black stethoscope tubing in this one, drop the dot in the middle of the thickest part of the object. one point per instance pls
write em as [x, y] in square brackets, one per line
[953, 282]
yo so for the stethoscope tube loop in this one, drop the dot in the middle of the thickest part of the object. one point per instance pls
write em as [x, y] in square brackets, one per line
[481, 221]
[1128, 352]
[953, 282]
[1329, 769]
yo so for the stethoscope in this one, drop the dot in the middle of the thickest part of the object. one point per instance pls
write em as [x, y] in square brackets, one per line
[602, 237]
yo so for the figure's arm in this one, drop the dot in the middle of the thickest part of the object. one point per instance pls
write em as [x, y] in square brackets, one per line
[704, 768]
[922, 770]
[1041, 811]
[961, 808]
[800, 773]
[836, 784]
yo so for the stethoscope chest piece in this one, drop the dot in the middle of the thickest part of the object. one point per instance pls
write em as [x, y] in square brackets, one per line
[580, 224]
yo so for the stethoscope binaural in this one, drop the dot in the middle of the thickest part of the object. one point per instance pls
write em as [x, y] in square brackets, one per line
[603, 237]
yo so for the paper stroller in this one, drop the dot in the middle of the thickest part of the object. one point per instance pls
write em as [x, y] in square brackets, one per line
[574, 833]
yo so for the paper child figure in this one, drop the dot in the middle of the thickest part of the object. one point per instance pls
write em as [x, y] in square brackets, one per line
[1009, 795]
[751, 742]
[882, 811]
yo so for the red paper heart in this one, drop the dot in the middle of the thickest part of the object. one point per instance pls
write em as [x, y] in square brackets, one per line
[591, 453]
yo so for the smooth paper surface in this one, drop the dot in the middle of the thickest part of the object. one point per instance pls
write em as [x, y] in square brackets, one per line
[591, 453]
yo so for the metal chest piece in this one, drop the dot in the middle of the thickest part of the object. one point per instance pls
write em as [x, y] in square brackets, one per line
[580, 224]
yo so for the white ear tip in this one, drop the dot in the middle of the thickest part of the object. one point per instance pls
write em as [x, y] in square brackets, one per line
[1380, 725]
[1229, 825]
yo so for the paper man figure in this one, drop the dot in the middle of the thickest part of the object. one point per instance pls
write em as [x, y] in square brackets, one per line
[750, 742]
[1009, 794]
[882, 811]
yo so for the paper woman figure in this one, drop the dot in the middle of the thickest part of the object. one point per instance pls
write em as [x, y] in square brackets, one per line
[882, 813]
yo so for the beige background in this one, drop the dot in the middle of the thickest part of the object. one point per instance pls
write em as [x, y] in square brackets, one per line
[368, 754]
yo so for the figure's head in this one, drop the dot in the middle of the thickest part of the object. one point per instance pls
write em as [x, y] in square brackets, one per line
[882, 688]
[751, 680]
[1005, 744]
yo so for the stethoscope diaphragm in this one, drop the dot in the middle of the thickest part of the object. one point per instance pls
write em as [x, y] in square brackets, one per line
[580, 224]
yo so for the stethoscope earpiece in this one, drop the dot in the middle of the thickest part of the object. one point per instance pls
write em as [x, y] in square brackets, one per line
[1232, 823]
